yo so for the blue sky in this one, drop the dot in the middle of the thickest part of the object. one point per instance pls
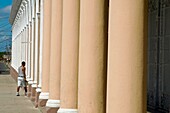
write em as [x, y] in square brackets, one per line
[5, 27]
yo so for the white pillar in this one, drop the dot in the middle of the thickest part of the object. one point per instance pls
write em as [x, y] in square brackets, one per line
[36, 72]
[32, 43]
[41, 43]
[29, 41]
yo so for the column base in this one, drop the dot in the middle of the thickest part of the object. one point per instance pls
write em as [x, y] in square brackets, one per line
[62, 110]
[30, 82]
[52, 106]
[36, 99]
[33, 92]
[51, 110]
[29, 90]
[42, 102]
[43, 97]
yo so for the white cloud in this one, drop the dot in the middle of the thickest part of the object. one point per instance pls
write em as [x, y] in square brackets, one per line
[6, 9]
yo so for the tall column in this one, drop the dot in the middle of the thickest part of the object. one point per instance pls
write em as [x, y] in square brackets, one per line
[30, 60]
[36, 41]
[30, 50]
[92, 56]
[32, 43]
[37, 52]
[22, 46]
[53, 102]
[126, 88]
[37, 38]
[27, 40]
[38, 90]
[41, 42]
[44, 95]
[33, 61]
[27, 49]
[69, 66]
[24, 43]
[33, 86]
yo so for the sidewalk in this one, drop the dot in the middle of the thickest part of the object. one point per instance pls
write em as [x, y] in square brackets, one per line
[9, 102]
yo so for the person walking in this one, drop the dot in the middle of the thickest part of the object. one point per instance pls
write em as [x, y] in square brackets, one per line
[21, 79]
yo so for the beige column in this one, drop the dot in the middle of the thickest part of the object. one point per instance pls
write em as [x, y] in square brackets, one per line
[93, 56]
[44, 95]
[53, 102]
[70, 47]
[126, 88]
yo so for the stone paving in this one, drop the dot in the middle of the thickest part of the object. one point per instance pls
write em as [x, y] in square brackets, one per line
[9, 102]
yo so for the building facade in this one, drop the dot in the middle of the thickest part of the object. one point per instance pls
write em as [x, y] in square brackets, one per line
[87, 56]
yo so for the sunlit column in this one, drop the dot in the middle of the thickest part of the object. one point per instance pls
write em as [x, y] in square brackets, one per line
[30, 39]
[53, 102]
[33, 86]
[70, 48]
[92, 56]
[127, 54]
[37, 38]
[37, 51]
[41, 42]
[44, 95]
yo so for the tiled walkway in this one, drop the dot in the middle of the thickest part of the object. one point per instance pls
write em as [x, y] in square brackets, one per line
[9, 103]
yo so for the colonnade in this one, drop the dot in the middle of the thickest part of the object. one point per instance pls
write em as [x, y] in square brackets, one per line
[85, 56]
